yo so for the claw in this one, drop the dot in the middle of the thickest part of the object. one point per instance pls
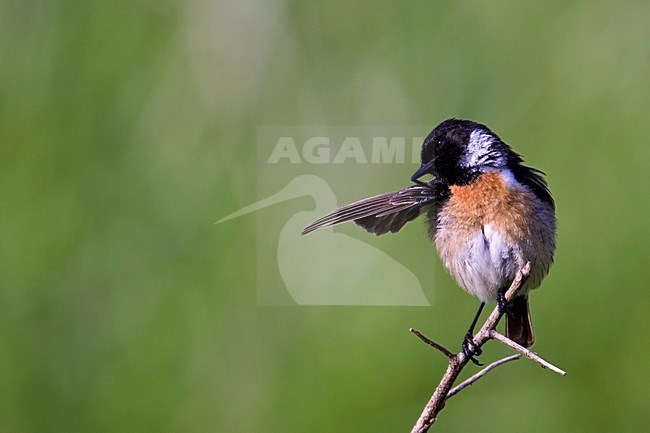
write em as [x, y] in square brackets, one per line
[470, 349]
[504, 305]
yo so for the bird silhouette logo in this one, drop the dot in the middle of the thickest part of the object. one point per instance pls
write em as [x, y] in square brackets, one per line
[328, 268]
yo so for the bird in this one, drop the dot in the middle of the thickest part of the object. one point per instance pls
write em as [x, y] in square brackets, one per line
[487, 213]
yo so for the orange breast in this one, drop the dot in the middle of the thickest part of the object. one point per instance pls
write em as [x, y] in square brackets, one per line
[489, 200]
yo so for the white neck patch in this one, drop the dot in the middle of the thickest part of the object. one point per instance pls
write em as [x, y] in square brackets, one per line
[479, 149]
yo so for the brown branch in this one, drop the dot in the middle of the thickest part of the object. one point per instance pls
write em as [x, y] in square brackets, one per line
[457, 362]
[433, 344]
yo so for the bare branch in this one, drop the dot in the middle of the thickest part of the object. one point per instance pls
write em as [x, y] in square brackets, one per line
[458, 361]
[527, 353]
[432, 343]
[456, 389]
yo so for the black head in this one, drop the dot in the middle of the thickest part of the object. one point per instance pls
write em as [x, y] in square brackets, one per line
[457, 151]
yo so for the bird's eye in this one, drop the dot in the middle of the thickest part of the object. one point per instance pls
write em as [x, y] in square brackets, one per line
[439, 142]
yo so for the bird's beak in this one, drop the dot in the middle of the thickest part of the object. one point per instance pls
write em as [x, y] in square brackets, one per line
[424, 169]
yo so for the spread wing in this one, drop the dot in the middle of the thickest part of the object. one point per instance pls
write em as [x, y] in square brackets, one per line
[385, 212]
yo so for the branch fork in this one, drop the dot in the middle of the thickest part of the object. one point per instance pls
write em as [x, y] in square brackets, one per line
[458, 361]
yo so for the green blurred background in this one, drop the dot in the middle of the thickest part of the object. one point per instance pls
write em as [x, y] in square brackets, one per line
[127, 128]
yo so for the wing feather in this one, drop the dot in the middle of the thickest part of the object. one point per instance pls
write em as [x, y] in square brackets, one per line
[385, 212]
[534, 179]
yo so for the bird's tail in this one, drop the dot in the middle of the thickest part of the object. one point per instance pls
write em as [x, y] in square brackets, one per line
[518, 326]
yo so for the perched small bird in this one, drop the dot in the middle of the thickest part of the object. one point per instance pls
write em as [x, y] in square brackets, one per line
[488, 214]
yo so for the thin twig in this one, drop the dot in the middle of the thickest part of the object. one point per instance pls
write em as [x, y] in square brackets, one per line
[527, 353]
[457, 362]
[456, 389]
[432, 343]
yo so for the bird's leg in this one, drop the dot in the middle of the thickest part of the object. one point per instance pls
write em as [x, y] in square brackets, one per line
[468, 347]
[503, 304]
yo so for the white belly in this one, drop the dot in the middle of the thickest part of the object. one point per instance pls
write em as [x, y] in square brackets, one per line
[483, 263]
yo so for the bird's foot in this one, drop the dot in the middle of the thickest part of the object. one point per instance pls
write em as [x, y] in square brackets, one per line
[504, 305]
[470, 349]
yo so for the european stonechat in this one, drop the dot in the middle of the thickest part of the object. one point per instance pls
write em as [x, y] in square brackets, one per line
[488, 214]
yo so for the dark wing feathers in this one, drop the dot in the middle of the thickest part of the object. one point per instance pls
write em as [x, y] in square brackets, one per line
[534, 179]
[388, 222]
[382, 213]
